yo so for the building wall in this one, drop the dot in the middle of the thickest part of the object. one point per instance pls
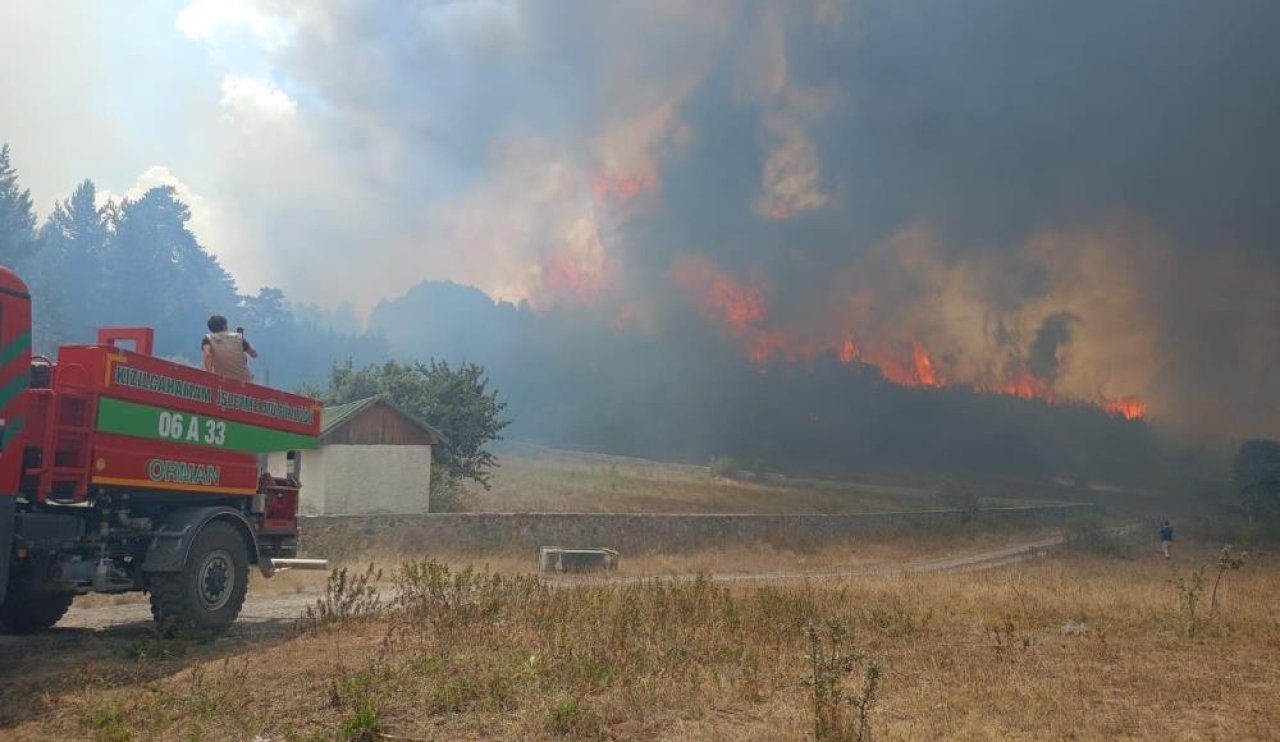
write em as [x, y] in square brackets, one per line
[362, 480]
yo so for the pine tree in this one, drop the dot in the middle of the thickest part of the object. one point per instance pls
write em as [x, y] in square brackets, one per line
[17, 218]
[162, 276]
[68, 273]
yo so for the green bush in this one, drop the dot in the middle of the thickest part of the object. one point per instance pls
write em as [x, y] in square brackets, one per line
[448, 493]
[362, 724]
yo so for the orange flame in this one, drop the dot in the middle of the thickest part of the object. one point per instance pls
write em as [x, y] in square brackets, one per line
[1026, 386]
[918, 370]
[1129, 407]
[742, 308]
[574, 281]
[848, 351]
[718, 293]
[924, 367]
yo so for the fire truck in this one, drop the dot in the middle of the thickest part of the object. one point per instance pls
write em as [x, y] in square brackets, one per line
[121, 471]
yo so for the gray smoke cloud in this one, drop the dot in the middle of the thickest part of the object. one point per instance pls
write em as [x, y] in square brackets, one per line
[1077, 191]
[1050, 341]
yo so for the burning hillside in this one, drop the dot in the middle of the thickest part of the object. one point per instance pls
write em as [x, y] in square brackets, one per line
[901, 356]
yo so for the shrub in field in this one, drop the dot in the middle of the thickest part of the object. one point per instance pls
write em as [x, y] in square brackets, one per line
[347, 596]
[839, 716]
[1228, 561]
[362, 724]
[1188, 590]
[1191, 588]
[109, 723]
[569, 717]
[429, 592]
[1005, 637]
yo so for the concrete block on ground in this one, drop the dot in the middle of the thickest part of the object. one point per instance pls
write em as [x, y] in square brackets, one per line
[558, 559]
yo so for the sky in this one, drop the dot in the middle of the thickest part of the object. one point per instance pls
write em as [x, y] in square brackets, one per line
[398, 141]
[124, 99]
[1072, 199]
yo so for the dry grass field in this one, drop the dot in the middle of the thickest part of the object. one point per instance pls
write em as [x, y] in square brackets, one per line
[893, 636]
[535, 479]
[1094, 641]
[902, 545]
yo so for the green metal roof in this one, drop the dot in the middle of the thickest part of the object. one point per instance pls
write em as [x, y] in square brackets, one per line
[335, 417]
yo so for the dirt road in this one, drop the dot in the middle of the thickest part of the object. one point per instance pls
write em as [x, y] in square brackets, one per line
[268, 613]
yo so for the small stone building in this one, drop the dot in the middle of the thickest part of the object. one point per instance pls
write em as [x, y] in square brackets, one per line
[374, 457]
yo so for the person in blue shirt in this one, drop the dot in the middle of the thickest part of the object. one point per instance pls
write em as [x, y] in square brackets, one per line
[1166, 537]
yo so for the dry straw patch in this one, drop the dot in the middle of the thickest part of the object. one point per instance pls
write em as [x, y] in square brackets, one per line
[1070, 647]
[900, 545]
[543, 480]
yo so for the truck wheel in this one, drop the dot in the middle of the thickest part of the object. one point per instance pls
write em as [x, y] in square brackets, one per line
[24, 614]
[209, 591]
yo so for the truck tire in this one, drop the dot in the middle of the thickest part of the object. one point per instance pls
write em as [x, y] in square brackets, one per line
[25, 614]
[209, 591]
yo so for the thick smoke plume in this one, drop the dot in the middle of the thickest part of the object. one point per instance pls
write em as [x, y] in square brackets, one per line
[1071, 202]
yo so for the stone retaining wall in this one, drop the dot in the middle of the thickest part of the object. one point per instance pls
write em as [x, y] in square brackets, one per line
[340, 536]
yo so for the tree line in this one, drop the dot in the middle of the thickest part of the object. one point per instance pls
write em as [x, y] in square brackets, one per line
[97, 262]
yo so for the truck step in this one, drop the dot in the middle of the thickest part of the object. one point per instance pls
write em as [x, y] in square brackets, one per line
[281, 564]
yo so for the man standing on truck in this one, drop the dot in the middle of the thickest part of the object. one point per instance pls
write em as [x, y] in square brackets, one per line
[226, 353]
